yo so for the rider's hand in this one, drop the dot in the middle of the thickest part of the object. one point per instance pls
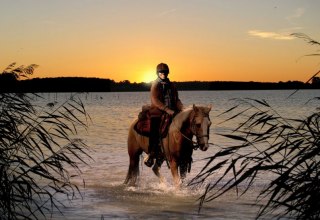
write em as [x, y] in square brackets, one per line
[169, 111]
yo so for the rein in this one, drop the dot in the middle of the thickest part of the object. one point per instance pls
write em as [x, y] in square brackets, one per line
[194, 143]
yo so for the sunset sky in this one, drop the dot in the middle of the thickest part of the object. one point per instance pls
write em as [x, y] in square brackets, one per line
[203, 40]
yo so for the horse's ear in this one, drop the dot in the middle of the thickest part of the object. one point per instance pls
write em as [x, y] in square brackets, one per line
[208, 109]
[195, 108]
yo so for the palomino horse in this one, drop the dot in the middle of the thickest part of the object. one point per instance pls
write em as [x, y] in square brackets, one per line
[177, 145]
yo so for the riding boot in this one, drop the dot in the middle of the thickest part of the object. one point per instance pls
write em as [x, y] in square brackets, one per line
[149, 160]
[153, 141]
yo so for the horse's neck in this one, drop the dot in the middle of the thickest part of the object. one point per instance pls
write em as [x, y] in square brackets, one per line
[180, 118]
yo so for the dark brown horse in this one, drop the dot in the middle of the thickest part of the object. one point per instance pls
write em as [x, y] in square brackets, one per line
[177, 145]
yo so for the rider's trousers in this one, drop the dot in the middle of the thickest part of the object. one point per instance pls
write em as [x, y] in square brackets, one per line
[154, 136]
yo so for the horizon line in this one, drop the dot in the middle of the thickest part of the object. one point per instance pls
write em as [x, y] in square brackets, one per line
[126, 80]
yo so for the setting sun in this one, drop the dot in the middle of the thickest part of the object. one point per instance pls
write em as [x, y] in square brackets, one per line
[147, 76]
[124, 40]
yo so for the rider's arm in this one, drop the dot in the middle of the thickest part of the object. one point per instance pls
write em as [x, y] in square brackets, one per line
[179, 104]
[154, 98]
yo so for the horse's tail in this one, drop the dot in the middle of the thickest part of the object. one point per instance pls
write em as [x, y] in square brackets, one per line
[133, 172]
[134, 152]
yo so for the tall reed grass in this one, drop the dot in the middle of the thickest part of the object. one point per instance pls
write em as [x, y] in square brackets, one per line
[38, 146]
[269, 143]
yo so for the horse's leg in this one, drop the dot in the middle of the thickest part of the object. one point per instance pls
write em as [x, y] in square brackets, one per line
[185, 160]
[172, 148]
[133, 171]
[174, 172]
[183, 168]
[134, 152]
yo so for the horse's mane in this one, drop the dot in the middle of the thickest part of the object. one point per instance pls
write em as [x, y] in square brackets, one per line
[180, 118]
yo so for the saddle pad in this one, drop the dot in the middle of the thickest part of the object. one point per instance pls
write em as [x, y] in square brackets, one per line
[142, 127]
[143, 124]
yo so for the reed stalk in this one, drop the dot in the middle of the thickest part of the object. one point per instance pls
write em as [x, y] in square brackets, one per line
[265, 142]
[38, 145]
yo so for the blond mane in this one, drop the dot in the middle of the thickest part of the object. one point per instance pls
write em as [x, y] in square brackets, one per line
[180, 118]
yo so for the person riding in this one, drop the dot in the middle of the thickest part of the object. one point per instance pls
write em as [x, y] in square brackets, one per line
[164, 100]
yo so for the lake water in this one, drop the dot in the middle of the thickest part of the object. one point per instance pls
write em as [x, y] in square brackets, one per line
[105, 196]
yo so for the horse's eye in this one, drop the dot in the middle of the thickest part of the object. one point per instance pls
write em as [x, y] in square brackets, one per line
[198, 125]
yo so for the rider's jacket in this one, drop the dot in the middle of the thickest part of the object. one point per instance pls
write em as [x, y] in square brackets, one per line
[164, 95]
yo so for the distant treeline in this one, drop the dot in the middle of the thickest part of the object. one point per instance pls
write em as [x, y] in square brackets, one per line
[80, 84]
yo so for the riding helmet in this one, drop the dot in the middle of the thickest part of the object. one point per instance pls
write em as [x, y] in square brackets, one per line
[162, 68]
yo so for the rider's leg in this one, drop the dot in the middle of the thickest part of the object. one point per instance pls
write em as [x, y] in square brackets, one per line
[153, 140]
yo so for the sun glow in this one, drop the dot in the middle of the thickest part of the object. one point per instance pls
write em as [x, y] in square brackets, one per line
[147, 76]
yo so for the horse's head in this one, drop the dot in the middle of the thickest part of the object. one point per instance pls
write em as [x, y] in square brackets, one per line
[200, 124]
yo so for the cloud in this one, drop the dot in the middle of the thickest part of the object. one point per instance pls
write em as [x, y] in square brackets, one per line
[299, 12]
[165, 13]
[270, 35]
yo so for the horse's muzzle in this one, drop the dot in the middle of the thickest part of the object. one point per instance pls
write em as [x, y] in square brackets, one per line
[203, 147]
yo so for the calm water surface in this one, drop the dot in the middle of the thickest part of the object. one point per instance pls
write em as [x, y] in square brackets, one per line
[105, 197]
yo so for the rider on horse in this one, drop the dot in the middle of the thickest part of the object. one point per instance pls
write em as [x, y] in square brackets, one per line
[164, 100]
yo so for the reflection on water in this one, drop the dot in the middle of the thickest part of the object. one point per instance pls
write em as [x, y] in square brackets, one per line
[155, 202]
[106, 197]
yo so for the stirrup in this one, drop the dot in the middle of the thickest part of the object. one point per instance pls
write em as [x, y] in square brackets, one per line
[148, 161]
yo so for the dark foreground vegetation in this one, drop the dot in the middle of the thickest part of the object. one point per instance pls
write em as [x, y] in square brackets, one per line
[79, 84]
[37, 143]
[266, 142]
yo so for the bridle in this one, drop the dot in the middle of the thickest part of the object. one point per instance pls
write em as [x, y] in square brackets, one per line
[195, 133]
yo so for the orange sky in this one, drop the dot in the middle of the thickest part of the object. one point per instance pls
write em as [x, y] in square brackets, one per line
[205, 40]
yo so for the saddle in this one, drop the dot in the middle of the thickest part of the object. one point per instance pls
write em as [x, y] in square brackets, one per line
[142, 126]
